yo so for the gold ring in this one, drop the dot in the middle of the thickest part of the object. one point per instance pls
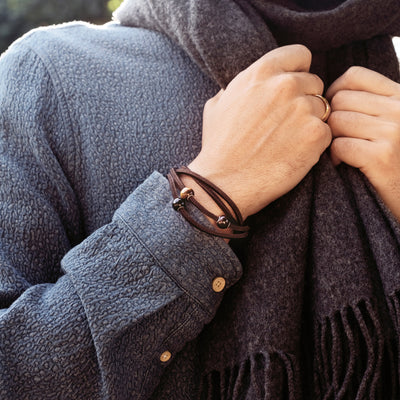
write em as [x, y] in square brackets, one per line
[327, 112]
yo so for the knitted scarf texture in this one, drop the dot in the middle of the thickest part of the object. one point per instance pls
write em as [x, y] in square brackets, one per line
[316, 314]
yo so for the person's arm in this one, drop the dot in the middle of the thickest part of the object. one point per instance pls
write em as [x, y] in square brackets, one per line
[95, 324]
[365, 123]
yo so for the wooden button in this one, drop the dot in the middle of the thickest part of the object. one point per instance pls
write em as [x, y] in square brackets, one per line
[165, 356]
[218, 284]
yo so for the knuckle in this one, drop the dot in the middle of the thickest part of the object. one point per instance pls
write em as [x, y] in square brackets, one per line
[305, 51]
[342, 147]
[286, 84]
[341, 122]
[352, 73]
[252, 77]
[319, 83]
[396, 95]
[333, 118]
[396, 107]
[303, 105]
[393, 131]
[353, 70]
[337, 100]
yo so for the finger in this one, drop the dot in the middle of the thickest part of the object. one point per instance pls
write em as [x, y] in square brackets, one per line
[292, 58]
[335, 160]
[306, 83]
[363, 79]
[365, 102]
[360, 126]
[354, 152]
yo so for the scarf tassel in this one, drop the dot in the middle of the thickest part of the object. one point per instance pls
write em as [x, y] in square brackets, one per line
[264, 376]
[352, 358]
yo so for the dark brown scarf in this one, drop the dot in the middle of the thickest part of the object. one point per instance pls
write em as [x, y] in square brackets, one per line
[317, 311]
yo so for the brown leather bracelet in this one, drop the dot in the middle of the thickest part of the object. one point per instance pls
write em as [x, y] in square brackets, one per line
[222, 200]
[208, 187]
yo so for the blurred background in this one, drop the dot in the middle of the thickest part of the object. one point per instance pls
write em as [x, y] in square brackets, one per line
[19, 16]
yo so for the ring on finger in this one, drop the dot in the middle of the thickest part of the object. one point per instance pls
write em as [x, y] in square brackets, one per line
[328, 109]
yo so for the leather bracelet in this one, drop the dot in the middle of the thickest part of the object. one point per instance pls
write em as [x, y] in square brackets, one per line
[183, 194]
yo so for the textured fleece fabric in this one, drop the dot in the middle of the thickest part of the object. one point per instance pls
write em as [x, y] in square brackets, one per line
[98, 274]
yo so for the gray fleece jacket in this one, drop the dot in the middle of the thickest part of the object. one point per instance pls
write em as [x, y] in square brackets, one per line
[99, 276]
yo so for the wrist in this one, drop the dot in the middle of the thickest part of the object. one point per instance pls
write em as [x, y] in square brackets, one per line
[203, 198]
[222, 213]
[225, 183]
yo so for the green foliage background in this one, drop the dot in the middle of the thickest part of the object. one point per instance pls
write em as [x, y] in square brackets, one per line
[19, 16]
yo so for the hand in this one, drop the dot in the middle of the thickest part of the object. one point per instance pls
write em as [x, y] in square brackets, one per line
[365, 123]
[264, 133]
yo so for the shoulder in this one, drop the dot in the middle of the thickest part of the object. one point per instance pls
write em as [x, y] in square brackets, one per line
[71, 45]
[84, 37]
[82, 58]
[81, 64]
[80, 49]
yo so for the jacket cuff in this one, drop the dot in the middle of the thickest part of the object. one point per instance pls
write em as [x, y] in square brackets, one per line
[191, 258]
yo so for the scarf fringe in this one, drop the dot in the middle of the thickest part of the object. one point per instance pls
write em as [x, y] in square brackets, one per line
[352, 358]
[394, 308]
[264, 376]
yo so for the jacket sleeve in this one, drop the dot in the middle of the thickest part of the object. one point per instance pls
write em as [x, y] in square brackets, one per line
[88, 317]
